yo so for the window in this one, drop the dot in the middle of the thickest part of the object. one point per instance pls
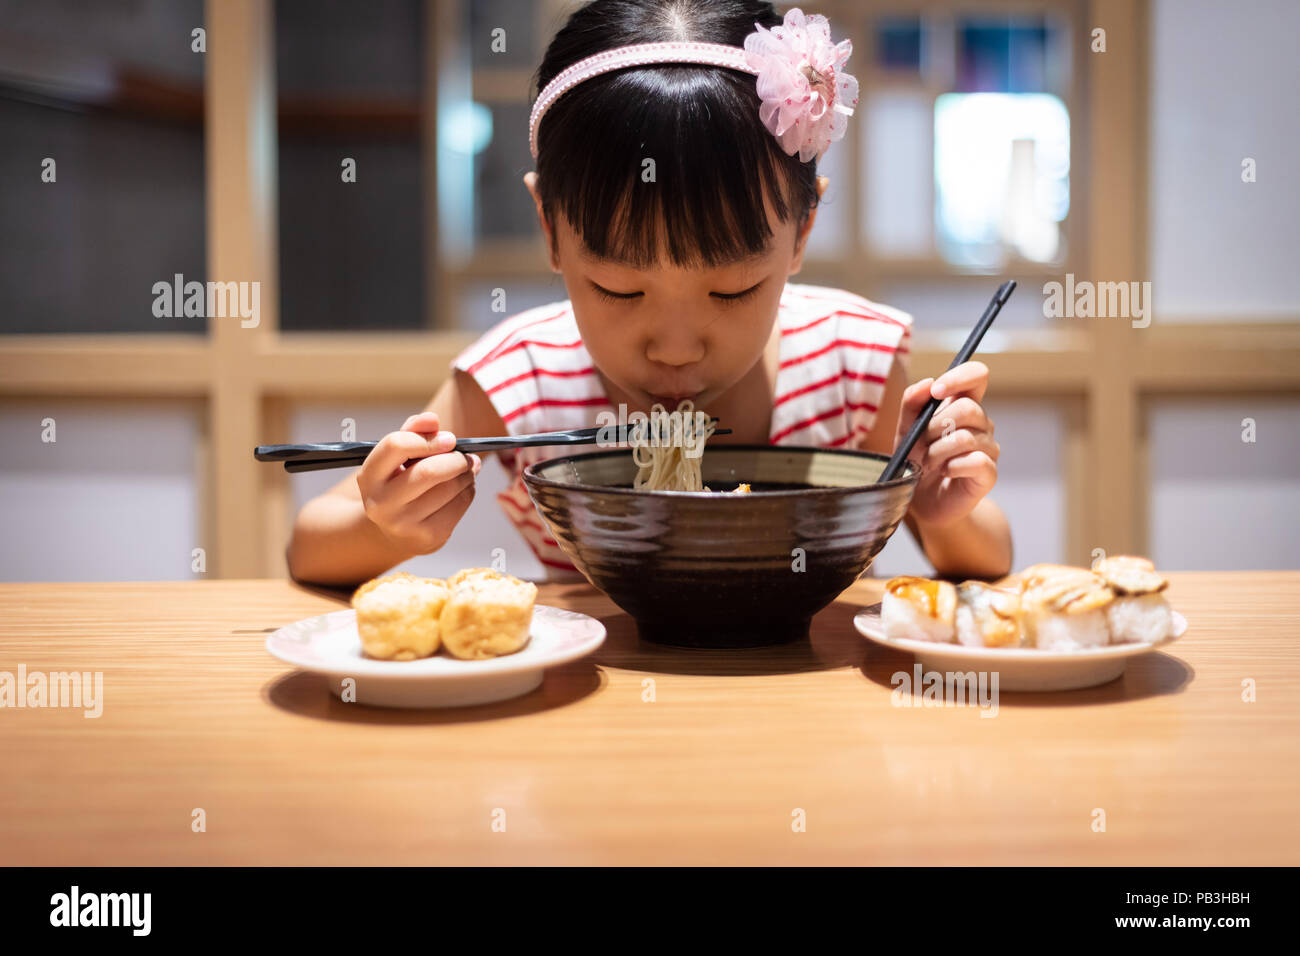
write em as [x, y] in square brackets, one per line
[1002, 176]
[350, 82]
[101, 116]
[966, 141]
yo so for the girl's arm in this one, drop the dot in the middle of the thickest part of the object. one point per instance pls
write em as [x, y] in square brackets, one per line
[341, 538]
[963, 533]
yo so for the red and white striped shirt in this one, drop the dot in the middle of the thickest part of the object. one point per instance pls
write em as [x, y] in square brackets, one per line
[836, 350]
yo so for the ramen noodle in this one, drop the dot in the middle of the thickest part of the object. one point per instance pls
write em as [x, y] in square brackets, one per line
[668, 448]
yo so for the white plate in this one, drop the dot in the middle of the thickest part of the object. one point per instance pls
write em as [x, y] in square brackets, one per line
[329, 644]
[1019, 668]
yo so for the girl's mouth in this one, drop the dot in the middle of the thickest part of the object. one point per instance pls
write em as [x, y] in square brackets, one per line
[671, 401]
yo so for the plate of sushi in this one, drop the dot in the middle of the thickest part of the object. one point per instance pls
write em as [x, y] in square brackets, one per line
[1051, 627]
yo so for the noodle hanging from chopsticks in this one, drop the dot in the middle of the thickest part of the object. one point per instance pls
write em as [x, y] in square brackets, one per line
[669, 448]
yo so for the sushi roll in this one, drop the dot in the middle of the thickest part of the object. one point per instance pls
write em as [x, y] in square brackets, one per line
[1064, 608]
[919, 609]
[987, 616]
[1139, 612]
[1036, 574]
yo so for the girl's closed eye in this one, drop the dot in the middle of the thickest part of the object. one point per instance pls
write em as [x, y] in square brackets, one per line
[726, 298]
[609, 296]
[734, 298]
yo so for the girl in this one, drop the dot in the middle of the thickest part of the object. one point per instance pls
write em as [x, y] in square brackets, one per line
[676, 186]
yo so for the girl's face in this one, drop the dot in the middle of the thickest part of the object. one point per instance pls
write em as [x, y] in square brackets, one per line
[668, 333]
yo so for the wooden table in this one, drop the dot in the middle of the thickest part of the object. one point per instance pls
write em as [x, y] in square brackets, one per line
[589, 770]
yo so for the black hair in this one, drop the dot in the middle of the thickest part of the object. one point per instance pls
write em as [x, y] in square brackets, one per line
[714, 161]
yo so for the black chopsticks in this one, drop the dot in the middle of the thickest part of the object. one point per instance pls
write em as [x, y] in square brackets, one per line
[320, 456]
[967, 350]
[347, 454]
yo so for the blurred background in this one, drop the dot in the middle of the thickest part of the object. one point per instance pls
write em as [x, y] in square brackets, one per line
[363, 163]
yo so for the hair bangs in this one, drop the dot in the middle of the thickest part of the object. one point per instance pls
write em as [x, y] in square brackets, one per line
[668, 164]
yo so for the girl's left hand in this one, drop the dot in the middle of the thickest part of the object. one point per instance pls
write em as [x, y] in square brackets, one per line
[956, 452]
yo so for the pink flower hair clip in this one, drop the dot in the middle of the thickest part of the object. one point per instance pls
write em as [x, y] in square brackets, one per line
[805, 92]
[801, 80]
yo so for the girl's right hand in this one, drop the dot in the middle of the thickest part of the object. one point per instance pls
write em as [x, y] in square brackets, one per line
[417, 506]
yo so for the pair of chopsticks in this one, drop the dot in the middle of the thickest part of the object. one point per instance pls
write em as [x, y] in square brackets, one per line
[317, 457]
[348, 454]
[922, 422]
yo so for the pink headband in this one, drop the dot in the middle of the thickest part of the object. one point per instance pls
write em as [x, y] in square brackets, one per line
[805, 93]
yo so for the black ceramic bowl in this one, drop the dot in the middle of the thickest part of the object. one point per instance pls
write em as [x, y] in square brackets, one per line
[696, 569]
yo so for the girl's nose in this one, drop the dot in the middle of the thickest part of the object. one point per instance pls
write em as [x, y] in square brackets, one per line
[675, 348]
[675, 355]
